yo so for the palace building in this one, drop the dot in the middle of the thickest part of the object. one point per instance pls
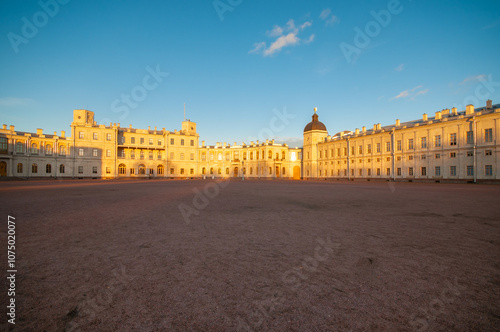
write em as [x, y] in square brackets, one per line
[451, 146]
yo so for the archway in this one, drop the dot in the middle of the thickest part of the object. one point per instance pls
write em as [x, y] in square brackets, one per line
[3, 168]
[235, 171]
[296, 173]
[277, 171]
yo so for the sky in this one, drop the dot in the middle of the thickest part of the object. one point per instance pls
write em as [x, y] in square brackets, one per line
[246, 70]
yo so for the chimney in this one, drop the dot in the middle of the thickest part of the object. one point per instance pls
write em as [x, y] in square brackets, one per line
[118, 124]
[328, 138]
[454, 111]
[55, 133]
[379, 126]
[130, 126]
[357, 131]
[363, 129]
[272, 141]
[202, 143]
[251, 142]
[39, 131]
[12, 128]
[341, 134]
[489, 104]
[375, 127]
[149, 127]
[4, 126]
[438, 115]
[155, 128]
[225, 144]
[63, 134]
[235, 144]
[424, 117]
[398, 122]
[267, 141]
[257, 142]
[469, 109]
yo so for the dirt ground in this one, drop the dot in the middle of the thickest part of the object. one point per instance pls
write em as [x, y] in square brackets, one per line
[202, 255]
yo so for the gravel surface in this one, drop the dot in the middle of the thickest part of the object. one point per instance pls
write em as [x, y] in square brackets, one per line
[203, 255]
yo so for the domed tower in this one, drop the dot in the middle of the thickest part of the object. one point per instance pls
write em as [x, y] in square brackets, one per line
[314, 133]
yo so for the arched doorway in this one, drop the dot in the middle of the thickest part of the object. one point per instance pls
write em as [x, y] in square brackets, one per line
[277, 171]
[296, 173]
[235, 171]
[3, 168]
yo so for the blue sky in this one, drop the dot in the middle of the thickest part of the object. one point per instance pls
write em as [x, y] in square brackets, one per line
[245, 69]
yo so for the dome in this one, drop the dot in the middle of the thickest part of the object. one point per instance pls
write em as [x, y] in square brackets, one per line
[315, 124]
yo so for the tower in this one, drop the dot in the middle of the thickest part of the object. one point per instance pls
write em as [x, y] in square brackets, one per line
[314, 133]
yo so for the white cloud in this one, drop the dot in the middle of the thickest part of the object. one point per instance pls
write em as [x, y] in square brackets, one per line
[325, 13]
[481, 77]
[15, 101]
[275, 32]
[291, 38]
[283, 41]
[412, 93]
[400, 67]
[257, 47]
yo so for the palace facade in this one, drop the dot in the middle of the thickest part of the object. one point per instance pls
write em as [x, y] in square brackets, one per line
[451, 146]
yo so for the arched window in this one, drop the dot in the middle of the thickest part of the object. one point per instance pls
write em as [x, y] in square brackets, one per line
[19, 168]
[270, 170]
[219, 171]
[34, 168]
[251, 155]
[159, 169]
[270, 155]
[48, 168]
[219, 156]
[62, 168]
[142, 169]
[62, 150]
[34, 148]
[283, 156]
[244, 156]
[227, 170]
[48, 149]
[277, 155]
[203, 170]
[122, 169]
[244, 170]
[283, 172]
[211, 170]
[251, 170]
[19, 147]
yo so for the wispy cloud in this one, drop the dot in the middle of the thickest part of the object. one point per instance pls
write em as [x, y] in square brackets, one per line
[400, 67]
[411, 93]
[491, 25]
[327, 16]
[285, 36]
[15, 101]
[473, 79]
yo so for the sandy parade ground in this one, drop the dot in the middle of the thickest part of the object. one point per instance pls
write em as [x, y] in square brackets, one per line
[206, 255]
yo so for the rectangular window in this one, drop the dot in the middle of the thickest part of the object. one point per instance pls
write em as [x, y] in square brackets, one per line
[171, 141]
[150, 141]
[132, 154]
[360, 172]
[410, 171]
[453, 170]
[453, 139]
[192, 142]
[437, 171]
[108, 170]
[191, 171]
[378, 171]
[141, 155]
[132, 171]
[437, 141]
[398, 145]
[108, 153]
[470, 153]
[171, 170]
[423, 142]
[488, 135]
[108, 137]
[470, 170]
[410, 157]
[345, 151]
[410, 144]
[487, 152]
[378, 147]
[398, 158]
[4, 145]
[437, 155]
[352, 150]
[369, 171]
[159, 155]
[182, 171]
[453, 154]
[360, 149]
[423, 171]
[369, 148]
[81, 135]
[338, 152]
[182, 156]
[150, 155]
[94, 169]
[171, 155]
[399, 171]
[387, 146]
[182, 142]
[96, 136]
[470, 137]
[132, 140]
[94, 153]
[80, 152]
[191, 156]
[488, 170]
[80, 169]
[142, 140]
[159, 142]
[388, 171]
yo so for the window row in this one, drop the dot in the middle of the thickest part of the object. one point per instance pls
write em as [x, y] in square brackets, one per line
[172, 142]
[95, 136]
[34, 168]
[245, 155]
[488, 171]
